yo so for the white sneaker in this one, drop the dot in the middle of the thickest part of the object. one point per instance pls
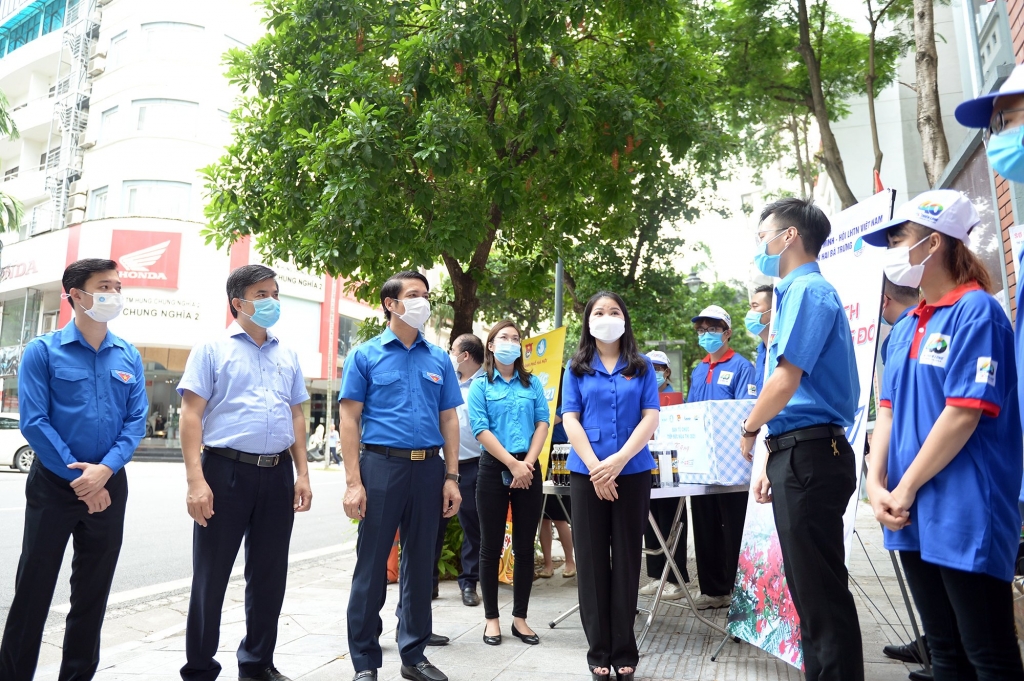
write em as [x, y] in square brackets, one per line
[650, 588]
[705, 602]
[672, 592]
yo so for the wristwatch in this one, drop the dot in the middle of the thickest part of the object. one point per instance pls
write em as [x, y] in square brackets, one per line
[453, 476]
[748, 433]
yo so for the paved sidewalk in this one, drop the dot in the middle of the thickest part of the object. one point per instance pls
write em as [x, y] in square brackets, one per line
[144, 641]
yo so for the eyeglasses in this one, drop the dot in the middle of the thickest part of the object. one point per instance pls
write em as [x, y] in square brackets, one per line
[758, 240]
[1000, 124]
[710, 329]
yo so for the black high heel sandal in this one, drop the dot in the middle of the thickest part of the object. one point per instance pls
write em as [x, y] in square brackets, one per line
[619, 676]
[600, 677]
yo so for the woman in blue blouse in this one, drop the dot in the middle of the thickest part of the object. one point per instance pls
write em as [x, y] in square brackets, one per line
[509, 416]
[610, 411]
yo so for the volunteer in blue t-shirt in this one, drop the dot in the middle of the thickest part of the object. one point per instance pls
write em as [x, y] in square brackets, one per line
[610, 411]
[946, 462]
[757, 322]
[718, 518]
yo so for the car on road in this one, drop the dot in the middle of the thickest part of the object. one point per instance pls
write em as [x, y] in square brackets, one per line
[15, 451]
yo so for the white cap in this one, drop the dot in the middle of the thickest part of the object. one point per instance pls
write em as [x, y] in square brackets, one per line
[658, 357]
[944, 210]
[714, 312]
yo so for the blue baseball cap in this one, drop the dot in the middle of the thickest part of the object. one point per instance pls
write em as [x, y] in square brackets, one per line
[977, 112]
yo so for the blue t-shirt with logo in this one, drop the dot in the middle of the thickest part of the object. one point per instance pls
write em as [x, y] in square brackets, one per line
[730, 378]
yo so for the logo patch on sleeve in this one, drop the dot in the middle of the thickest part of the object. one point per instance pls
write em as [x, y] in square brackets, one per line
[725, 378]
[124, 376]
[936, 350]
[752, 389]
[986, 372]
[436, 378]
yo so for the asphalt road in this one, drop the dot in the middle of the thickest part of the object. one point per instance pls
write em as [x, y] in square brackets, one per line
[157, 548]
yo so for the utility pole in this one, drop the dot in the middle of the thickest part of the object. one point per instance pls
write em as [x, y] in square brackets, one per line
[332, 359]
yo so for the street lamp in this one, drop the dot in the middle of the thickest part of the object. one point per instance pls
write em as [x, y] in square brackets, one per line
[693, 282]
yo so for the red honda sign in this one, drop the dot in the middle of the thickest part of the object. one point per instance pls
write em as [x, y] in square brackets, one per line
[146, 258]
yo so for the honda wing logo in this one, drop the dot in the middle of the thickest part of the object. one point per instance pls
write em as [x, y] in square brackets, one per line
[138, 263]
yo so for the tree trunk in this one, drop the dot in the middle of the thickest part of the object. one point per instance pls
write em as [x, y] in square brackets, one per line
[870, 82]
[465, 281]
[798, 151]
[929, 113]
[831, 156]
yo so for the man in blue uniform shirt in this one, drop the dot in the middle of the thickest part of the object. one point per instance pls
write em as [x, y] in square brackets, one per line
[82, 398]
[758, 321]
[808, 402]
[398, 400]
[242, 427]
[897, 301]
[718, 518]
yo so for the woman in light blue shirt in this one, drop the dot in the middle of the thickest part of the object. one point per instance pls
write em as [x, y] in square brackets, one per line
[509, 416]
[610, 410]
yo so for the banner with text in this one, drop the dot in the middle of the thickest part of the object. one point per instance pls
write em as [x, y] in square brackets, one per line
[762, 611]
[542, 357]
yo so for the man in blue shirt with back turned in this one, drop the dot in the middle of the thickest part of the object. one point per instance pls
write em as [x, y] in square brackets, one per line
[398, 400]
[82, 398]
[808, 401]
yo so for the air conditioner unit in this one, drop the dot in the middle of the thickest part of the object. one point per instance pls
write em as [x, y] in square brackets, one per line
[102, 3]
[87, 144]
[98, 50]
[77, 202]
[97, 65]
[96, 17]
[78, 187]
[76, 216]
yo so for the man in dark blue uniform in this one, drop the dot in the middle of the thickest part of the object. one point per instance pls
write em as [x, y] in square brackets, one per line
[398, 400]
[808, 402]
[82, 397]
[718, 518]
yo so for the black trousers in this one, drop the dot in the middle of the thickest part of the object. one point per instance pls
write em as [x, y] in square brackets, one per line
[607, 537]
[469, 518]
[968, 619]
[53, 514]
[664, 510]
[255, 504]
[492, 502]
[811, 488]
[717, 534]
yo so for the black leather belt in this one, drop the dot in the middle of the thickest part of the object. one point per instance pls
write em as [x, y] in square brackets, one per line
[261, 460]
[789, 439]
[411, 454]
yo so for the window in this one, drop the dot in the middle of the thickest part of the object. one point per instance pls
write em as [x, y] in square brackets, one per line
[118, 47]
[49, 160]
[8, 423]
[11, 173]
[166, 37]
[156, 198]
[166, 116]
[98, 204]
[108, 124]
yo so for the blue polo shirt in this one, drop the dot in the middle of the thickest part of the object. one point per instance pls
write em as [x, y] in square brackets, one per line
[762, 355]
[885, 343]
[510, 410]
[958, 352]
[610, 407]
[813, 333]
[249, 390]
[78, 404]
[403, 390]
[730, 378]
[1018, 334]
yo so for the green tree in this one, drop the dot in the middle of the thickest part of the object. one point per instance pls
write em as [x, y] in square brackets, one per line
[11, 211]
[376, 135]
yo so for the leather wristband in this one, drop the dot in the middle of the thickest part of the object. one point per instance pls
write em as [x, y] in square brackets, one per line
[748, 433]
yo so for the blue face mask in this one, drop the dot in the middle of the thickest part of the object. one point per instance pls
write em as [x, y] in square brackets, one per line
[661, 377]
[1006, 154]
[267, 311]
[768, 264]
[712, 342]
[753, 322]
[507, 353]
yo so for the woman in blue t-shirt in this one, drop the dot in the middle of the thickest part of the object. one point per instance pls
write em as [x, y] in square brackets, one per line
[946, 457]
[610, 411]
[509, 416]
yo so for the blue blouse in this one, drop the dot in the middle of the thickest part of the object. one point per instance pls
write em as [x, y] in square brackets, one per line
[508, 409]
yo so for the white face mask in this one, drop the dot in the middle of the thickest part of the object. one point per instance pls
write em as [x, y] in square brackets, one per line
[417, 312]
[105, 306]
[898, 269]
[607, 328]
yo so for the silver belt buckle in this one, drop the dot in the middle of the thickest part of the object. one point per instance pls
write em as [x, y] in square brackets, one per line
[267, 460]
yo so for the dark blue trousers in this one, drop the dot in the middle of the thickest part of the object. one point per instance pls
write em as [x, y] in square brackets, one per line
[405, 496]
[254, 503]
[470, 521]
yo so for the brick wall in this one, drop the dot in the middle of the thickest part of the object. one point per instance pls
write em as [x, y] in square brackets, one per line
[1015, 9]
[1016, 12]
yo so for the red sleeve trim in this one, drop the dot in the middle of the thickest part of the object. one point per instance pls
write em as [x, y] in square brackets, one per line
[885, 403]
[987, 408]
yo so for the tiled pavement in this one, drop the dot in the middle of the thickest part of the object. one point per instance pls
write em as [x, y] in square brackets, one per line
[144, 640]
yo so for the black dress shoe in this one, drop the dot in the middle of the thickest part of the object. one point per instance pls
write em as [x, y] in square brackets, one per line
[920, 675]
[529, 639]
[268, 674]
[366, 675]
[907, 652]
[469, 597]
[424, 671]
[436, 594]
[437, 640]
